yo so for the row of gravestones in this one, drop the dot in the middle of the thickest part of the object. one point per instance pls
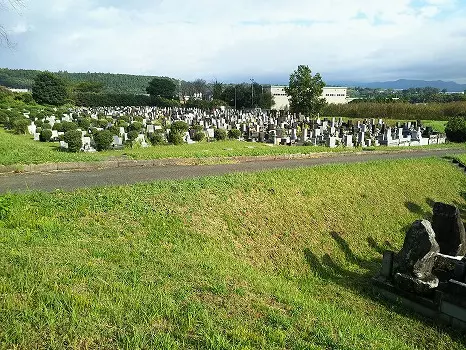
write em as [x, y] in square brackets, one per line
[283, 130]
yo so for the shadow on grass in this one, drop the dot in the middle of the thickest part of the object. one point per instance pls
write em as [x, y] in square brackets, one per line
[417, 209]
[327, 269]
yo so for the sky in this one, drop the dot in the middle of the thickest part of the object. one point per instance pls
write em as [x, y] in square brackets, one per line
[233, 41]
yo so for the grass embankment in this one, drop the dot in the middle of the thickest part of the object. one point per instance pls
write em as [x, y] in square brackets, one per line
[461, 158]
[270, 260]
[21, 149]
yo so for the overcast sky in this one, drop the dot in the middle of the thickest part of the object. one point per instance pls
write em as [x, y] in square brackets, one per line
[344, 40]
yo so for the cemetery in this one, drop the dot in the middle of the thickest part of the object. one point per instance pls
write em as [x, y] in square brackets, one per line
[151, 125]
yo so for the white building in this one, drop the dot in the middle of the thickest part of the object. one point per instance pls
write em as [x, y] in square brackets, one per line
[18, 90]
[336, 95]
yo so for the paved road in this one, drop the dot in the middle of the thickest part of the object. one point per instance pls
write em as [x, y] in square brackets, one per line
[69, 180]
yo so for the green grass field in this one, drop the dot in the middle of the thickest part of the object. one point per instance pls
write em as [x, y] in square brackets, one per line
[21, 149]
[270, 260]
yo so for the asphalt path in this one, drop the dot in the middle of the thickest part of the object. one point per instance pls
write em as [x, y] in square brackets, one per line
[70, 180]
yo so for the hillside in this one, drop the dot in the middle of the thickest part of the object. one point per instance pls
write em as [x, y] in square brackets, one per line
[244, 261]
[115, 83]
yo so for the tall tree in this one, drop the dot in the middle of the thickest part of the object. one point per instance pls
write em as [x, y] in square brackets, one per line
[217, 90]
[162, 87]
[305, 91]
[49, 89]
[200, 86]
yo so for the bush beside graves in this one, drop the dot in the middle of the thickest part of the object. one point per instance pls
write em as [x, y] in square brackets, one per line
[20, 126]
[456, 129]
[156, 139]
[220, 134]
[234, 134]
[45, 135]
[74, 140]
[103, 140]
[175, 138]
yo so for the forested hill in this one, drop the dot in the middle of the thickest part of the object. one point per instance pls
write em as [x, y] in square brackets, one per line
[116, 83]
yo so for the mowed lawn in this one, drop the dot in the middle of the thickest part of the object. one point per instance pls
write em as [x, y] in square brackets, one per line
[271, 260]
[22, 149]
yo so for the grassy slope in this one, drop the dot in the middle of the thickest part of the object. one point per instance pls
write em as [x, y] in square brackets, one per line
[461, 158]
[16, 149]
[278, 259]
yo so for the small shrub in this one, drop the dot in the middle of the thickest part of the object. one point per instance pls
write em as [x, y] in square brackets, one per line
[131, 136]
[136, 126]
[456, 129]
[103, 140]
[175, 138]
[220, 134]
[179, 127]
[156, 138]
[234, 134]
[102, 123]
[199, 136]
[74, 140]
[45, 135]
[84, 123]
[21, 126]
[47, 125]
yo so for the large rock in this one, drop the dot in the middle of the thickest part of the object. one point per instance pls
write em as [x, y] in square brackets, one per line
[449, 229]
[416, 259]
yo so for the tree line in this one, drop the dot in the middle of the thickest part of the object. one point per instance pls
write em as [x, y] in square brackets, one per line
[396, 110]
[411, 95]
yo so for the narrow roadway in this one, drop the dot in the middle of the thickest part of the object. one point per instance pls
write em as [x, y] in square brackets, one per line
[70, 180]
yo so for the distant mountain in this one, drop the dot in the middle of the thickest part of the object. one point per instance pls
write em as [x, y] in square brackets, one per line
[403, 84]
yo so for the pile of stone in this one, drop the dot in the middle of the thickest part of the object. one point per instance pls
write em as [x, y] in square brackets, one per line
[429, 273]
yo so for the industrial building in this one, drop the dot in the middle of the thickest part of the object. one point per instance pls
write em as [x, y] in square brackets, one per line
[336, 95]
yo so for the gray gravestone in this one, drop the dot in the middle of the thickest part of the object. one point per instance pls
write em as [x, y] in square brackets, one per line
[449, 229]
[415, 261]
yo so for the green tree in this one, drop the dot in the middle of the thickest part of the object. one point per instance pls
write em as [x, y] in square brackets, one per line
[49, 89]
[220, 134]
[456, 129]
[217, 90]
[131, 136]
[45, 135]
[305, 91]
[162, 87]
[175, 138]
[234, 134]
[21, 126]
[179, 127]
[137, 126]
[103, 140]
[156, 138]
[74, 140]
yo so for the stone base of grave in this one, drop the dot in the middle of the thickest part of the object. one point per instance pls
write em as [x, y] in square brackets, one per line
[416, 285]
[447, 308]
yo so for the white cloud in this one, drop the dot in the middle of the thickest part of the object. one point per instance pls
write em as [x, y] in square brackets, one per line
[354, 39]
